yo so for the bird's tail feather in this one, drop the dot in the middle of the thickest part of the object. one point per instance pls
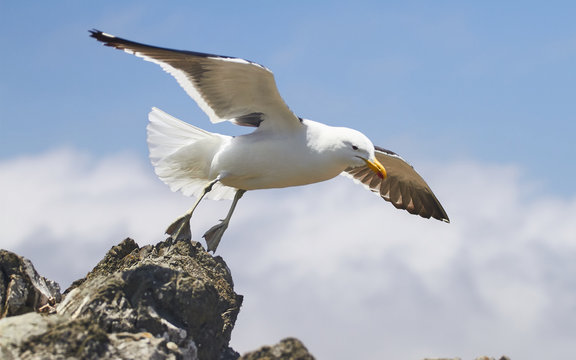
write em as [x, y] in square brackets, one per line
[182, 155]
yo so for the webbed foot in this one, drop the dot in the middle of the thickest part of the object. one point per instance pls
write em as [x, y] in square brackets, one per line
[180, 229]
[214, 235]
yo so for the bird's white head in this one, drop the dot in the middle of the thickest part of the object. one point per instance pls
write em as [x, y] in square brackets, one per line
[357, 150]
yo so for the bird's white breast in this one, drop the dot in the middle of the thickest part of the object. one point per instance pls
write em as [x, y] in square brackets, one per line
[263, 160]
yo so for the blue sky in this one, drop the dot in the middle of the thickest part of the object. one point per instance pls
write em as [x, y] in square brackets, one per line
[491, 81]
[478, 96]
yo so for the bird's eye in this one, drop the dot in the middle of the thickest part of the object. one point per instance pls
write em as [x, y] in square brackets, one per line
[354, 147]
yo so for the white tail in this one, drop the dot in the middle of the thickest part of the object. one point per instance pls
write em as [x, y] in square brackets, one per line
[182, 155]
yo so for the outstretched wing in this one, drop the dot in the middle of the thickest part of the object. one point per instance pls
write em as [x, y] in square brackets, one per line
[403, 186]
[225, 88]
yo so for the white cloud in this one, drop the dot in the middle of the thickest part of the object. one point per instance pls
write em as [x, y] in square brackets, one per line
[331, 263]
[64, 209]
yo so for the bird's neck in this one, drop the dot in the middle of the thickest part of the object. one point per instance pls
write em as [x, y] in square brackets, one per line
[320, 137]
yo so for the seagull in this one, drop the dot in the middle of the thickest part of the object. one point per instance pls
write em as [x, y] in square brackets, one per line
[284, 150]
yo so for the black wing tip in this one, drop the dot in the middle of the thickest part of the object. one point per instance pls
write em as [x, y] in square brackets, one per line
[444, 218]
[432, 209]
[435, 210]
[122, 44]
[107, 39]
[424, 213]
[385, 151]
[99, 35]
[440, 214]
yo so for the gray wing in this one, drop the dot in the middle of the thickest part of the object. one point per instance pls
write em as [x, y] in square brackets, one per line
[403, 186]
[225, 88]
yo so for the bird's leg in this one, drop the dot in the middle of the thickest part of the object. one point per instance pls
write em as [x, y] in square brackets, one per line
[214, 235]
[180, 229]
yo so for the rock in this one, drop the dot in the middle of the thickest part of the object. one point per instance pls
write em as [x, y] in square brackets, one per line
[174, 290]
[21, 288]
[169, 301]
[287, 349]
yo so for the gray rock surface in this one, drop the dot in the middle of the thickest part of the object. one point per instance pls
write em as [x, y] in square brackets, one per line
[169, 301]
[172, 300]
[21, 288]
[287, 349]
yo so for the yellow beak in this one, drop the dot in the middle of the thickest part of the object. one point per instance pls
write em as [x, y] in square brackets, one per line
[376, 167]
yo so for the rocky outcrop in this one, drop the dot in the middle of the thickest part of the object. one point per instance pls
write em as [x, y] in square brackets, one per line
[22, 290]
[174, 290]
[169, 301]
[172, 300]
[287, 349]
